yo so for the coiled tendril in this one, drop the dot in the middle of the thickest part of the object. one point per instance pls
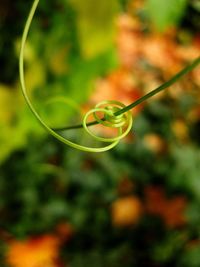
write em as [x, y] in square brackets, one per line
[115, 114]
[121, 122]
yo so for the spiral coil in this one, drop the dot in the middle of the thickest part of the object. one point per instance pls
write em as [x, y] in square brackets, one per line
[115, 114]
[122, 123]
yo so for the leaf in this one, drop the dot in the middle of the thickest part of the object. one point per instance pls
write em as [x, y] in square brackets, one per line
[191, 257]
[165, 13]
[95, 24]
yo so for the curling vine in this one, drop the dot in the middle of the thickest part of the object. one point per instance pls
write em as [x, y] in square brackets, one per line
[114, 114]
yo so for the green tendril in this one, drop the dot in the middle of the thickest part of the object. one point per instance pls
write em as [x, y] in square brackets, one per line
[121, 122]
[115, 114]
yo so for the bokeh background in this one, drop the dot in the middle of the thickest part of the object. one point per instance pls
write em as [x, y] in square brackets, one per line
[136, 205]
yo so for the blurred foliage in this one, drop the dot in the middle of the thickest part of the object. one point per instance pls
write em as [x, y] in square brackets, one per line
[136, 205]
[170, 13]
[60, 60]
[192, 16]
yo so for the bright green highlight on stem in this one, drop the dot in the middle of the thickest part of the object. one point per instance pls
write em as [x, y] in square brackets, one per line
[121, 122]
[115, 114]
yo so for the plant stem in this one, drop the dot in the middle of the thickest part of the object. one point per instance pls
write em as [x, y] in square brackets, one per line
[143, 98]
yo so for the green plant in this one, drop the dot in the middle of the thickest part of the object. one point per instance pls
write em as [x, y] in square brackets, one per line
[115, 114]
[172, 12]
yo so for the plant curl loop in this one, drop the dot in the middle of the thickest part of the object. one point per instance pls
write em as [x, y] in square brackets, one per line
[121, 122]
[116, 114]
[108, 111]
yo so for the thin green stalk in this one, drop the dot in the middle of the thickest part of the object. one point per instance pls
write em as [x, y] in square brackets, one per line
[112, 117]
[143, 98]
